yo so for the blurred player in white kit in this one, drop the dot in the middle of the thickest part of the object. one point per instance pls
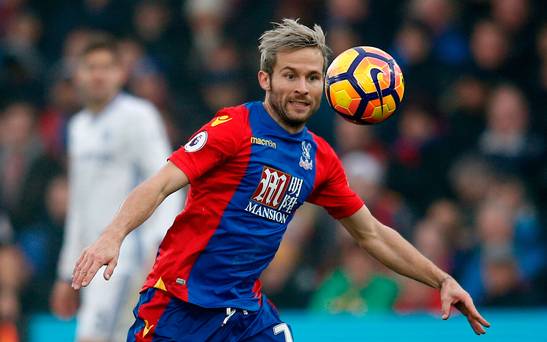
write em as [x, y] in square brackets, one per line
[115, 142]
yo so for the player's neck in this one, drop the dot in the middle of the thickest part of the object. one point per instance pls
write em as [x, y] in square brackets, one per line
[97, 106]
[277, 118]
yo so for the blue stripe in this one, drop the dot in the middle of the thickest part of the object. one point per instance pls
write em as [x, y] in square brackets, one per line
[144, 298]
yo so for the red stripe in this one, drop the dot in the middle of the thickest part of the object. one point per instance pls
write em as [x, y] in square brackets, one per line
[257, 290]
[150, 313]
[209, 196]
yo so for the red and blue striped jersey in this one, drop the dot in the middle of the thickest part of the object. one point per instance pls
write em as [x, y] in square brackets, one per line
[247, 178]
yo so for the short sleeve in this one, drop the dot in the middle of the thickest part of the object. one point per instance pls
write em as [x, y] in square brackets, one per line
[211, 145]
[331, 189]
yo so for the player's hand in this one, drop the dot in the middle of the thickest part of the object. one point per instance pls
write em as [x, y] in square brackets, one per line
[453, 294]
[64, 300]
[104, 251]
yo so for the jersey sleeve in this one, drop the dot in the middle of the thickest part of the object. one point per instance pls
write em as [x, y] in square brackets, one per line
[210, 146]
[331, 189]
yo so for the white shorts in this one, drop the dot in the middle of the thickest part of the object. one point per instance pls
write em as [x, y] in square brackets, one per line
[105, 306]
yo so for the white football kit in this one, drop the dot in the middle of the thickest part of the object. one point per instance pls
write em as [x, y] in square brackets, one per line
[109, 154]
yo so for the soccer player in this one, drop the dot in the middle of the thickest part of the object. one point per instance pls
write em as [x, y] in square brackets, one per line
[114, 143]
[250, 168]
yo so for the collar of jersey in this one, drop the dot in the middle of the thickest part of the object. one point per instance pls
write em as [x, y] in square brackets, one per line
[106, 109]
[268, 121]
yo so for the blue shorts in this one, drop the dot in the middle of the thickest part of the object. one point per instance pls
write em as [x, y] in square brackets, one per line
[162, 317]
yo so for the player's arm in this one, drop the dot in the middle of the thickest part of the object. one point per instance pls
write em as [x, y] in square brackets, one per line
[137, 207]
[64, 301]
[391, 249]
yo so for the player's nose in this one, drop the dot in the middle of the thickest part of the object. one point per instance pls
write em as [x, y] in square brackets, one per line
[302, 86]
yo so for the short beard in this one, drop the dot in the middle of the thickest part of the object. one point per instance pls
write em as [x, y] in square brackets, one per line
[277, 106]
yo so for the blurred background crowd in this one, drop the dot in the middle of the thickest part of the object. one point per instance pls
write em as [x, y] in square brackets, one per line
[460, 170]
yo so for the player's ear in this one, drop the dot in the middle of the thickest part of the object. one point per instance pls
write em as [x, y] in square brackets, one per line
[264, 80]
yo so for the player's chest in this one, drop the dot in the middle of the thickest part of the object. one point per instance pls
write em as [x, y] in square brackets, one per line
[100, 143]
[280, 173]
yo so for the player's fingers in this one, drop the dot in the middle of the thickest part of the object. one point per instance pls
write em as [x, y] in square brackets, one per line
[90, 272]
[483, 321]
[78, 263]
[477, 327]
[469, 309]
[446, 304]
[474, 313]
[110, 269]
[79, 271]
[87, 262]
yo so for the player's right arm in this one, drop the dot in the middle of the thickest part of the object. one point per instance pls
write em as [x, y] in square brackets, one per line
[137, 207]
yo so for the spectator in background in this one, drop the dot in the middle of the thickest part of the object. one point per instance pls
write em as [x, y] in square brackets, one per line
[470, 178]
[447, 217]
[156, 30]
[506, 141]
[207, 19]
[364, 18]
[494, 228]
[21, 39]
[503, 284]
[40, 243]
[366, 176]
[20, 59]
[221, 81]
[73, 16]
[417, 161]
[490, 48]
[20, 150]
[514, 18]
[501, 252]
[528, 245]
[62, 101]
[430, 240]
[356, 285]
[440, 17]
[538, 80]
[465, 104]
[357, 138]
[8, 10]
[341, 38]
[412, 50]
[12, 277]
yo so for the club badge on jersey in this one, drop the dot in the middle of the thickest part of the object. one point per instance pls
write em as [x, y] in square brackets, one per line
[305, 159]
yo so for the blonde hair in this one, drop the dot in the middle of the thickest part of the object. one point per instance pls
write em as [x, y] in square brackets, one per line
[290, 35]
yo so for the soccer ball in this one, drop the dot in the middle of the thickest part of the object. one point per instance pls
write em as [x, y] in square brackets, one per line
[364, 85]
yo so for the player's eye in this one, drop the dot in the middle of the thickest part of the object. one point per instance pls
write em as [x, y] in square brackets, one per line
[314, 77]
[289, 76]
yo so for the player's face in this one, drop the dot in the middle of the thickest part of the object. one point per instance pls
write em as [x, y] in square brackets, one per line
[98, 76]
[294, 89]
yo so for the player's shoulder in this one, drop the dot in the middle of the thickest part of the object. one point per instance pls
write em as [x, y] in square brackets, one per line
[133, 105]
[77, 120]
[234, 117]
[323, 147]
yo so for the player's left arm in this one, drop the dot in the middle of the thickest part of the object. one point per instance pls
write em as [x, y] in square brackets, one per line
[391, 249]
[150, 148]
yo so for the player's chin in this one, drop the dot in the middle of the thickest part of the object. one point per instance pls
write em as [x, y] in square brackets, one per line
[300, 114]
